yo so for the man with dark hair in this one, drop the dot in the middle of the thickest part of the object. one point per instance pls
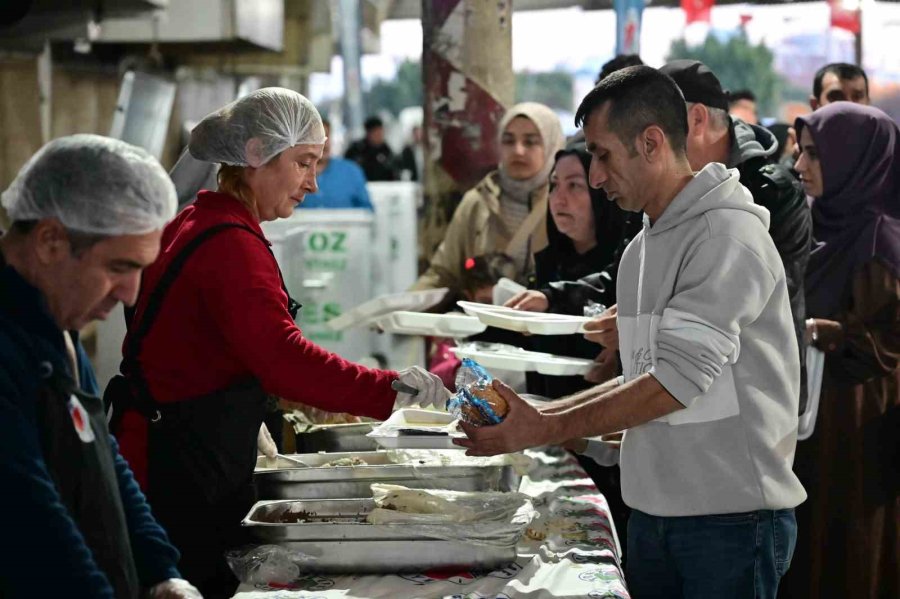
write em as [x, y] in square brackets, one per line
[839, 82]
[742, 105]
[708, 399]
[617, 63]
[634, 111]
[713, 136]
[372, 153]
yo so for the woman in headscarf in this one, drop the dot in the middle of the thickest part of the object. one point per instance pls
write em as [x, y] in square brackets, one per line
[506, 211]
[584, 229]
[849, 528]
[212, 335]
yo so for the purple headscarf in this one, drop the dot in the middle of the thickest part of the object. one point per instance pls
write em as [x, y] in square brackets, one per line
[857, 219]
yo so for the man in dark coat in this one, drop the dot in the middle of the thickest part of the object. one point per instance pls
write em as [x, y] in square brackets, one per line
[372, 153]
[87, 214]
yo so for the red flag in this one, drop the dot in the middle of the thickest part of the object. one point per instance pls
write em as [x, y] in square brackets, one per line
[746, 18]
[697, 11]
[844, 18]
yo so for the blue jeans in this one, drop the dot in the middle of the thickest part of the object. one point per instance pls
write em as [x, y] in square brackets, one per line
[727, 556]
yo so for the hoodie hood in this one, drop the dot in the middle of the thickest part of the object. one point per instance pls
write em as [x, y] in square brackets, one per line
[713, 188]
[750, 141]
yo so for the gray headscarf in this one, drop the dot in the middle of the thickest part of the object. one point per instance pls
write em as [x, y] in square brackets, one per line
[548, 126]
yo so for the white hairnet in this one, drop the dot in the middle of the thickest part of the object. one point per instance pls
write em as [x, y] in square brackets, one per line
[93, 184]
[256, 128]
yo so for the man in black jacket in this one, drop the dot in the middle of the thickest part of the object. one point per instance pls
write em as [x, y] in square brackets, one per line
[372, 153]
[713, 136]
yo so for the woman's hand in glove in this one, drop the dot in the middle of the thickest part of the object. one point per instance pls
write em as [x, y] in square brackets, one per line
[174, 588]
[264, 442]
[431, 390]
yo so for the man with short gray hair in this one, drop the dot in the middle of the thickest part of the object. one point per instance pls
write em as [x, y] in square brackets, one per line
[87, 214]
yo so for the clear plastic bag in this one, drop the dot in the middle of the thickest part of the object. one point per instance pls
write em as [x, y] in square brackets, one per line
[470, 403]
[267, 564]
[592, 309]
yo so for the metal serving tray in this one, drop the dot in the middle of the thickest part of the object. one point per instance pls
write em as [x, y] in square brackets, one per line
[346, 482]
[336, 437]
[340, 540]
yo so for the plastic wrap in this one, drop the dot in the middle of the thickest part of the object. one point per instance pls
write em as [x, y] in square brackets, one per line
[486, 518]
[471, 403]
[519, 462]
[267, 564]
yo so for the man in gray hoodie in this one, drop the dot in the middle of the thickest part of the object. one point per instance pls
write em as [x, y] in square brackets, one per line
[709, 394]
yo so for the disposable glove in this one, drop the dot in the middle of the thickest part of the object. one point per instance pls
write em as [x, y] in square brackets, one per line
[264, 442]
[431, 390]
[174, 588]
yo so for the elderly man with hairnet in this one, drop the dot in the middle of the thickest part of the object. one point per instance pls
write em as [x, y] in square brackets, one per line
[213, 336]
[87, 216]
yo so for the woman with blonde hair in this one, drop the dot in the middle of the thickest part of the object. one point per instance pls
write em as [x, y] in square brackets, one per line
[506, 212]
[212, 336]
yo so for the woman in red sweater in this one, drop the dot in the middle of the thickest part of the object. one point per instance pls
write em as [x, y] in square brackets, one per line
[212, 336]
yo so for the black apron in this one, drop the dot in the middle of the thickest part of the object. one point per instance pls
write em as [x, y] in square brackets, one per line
[201, 451]
[77, 450]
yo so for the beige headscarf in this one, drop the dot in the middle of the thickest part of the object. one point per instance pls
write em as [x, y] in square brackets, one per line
[548, 125]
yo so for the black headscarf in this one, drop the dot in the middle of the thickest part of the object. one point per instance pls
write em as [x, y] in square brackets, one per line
[609, 224]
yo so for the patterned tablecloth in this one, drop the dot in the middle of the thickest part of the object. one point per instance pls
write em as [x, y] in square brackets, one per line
[578, 558]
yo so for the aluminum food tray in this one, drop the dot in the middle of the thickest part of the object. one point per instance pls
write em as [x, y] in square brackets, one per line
[336, 438]
[348, 544]
[343, 482]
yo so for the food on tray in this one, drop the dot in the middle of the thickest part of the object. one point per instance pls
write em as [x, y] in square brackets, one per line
[476, 401]
[415, 501]
[555, 527]
[344, 462]
[302, 415]
[287, 517]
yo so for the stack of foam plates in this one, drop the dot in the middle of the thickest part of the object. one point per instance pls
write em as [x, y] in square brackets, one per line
[534, 323]
[507, 357]
[366, 313]
[454, 324]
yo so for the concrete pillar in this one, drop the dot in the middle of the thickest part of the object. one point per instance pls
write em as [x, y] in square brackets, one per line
[469, 83]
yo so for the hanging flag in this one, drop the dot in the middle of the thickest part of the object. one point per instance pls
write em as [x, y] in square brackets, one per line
[697, 11]
[845, 15]
[628, 25]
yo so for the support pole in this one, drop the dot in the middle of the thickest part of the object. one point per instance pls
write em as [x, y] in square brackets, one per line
[469, 83]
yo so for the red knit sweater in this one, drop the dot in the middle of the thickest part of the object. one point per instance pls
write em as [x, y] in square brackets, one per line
[225, 319]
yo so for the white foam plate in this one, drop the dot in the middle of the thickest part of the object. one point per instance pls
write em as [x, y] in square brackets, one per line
[387, 434]
[535, 323]
[367, 312]
[507, 357]
[454, 324]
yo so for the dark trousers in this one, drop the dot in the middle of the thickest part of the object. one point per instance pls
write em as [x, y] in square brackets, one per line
[726, 556]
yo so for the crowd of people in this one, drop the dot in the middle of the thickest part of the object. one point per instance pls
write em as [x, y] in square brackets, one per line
[718, 250]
